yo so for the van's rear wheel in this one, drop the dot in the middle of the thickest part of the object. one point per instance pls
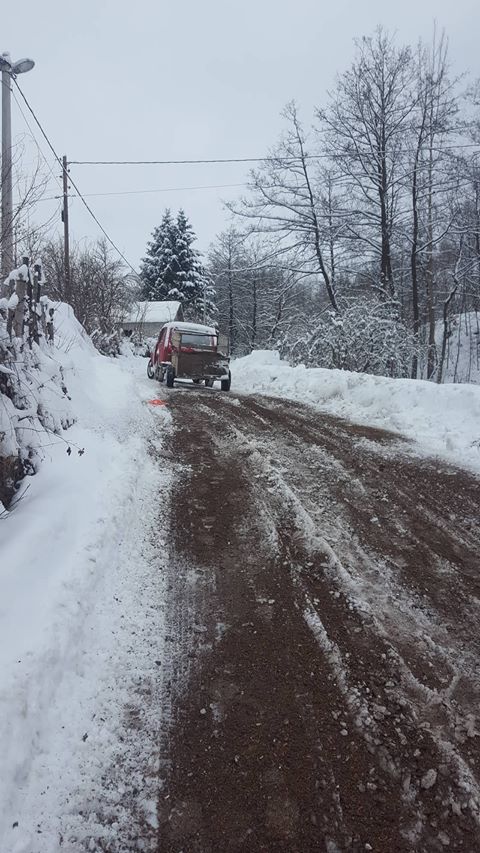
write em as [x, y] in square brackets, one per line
[150, 370]
[225, 383]
[170, 377]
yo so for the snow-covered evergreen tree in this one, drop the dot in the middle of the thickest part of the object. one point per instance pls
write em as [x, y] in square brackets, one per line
[172, 269]
[159, 270]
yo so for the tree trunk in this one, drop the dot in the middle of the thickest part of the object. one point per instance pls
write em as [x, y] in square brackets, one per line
[231, 310]
[330, 236]
[254, 313]
[446, 306]
[386, 274]
[314, 220]
[430, 273]
[414, 270]
[477, 229]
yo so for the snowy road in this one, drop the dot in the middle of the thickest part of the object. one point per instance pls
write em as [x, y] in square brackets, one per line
[245, 625]
[323, 681]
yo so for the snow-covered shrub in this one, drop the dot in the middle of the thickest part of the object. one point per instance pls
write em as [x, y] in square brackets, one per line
[107, 343]
[33, 398]
[365, 337]
[137, 344]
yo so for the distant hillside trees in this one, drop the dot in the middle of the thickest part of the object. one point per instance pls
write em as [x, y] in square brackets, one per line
[172, 269]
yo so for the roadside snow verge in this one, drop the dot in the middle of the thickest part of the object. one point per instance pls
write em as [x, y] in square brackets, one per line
[81, 619]
[444, 420]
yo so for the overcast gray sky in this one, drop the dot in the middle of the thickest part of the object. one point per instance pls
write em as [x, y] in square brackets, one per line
[165, 80]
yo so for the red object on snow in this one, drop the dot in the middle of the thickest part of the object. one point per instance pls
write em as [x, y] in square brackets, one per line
[157, 402]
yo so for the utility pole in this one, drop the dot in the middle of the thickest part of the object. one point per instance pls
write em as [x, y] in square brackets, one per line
[9, 71]
[66, 236]
[7, 206]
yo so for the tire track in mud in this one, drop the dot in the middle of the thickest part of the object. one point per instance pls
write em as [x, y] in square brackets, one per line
[308, 716]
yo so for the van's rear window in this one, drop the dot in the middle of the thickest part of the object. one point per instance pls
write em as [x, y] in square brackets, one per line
[193, 340]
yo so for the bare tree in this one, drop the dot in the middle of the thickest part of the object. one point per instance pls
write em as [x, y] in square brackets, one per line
[446, 306]
[255, 293]
[364, 128]
[284, 204]
[227, 266]
[28, 225]
[429, 176]
[101, 290]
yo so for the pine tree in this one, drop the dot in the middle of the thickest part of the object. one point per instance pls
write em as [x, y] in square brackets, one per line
[172, 269]
[158, 272]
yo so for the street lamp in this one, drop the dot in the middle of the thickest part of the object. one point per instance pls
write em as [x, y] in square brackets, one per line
[9, 70]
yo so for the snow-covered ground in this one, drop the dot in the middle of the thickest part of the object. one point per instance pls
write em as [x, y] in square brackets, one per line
[443, 420]
[81, 622]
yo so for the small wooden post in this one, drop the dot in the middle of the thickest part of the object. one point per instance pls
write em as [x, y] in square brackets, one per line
[19, 311]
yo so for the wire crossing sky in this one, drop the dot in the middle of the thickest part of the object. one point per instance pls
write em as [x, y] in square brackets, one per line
[190, 87]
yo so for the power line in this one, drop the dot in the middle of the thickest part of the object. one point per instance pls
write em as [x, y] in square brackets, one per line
[269, 159]
[39, 149]
[191, 162]
[65, 171]
[338, 211]
[159, 190]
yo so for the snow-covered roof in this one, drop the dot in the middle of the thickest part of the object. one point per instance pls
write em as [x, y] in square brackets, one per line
[193, 327]
[153, 312]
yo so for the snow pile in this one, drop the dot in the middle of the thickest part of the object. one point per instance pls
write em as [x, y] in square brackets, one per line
[443, 419]
[81, 616]
[69, 333]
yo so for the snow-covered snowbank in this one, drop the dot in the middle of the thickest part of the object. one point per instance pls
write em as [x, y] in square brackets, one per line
[444, 420]
[80, 608]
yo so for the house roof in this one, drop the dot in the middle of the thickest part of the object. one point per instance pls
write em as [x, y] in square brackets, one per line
[153, 312]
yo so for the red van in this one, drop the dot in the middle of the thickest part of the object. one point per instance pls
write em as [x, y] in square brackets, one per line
[196, 355]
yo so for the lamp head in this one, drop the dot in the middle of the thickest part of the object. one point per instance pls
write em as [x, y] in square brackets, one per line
[22, 65]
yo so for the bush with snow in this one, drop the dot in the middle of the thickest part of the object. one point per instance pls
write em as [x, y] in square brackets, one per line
[107, 343]
[363, 338]
[34, 401]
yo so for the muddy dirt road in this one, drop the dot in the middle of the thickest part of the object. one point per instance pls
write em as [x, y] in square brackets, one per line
[323, 683]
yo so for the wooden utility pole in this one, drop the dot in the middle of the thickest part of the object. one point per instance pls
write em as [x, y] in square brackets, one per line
[6, 180]
[66, 238]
